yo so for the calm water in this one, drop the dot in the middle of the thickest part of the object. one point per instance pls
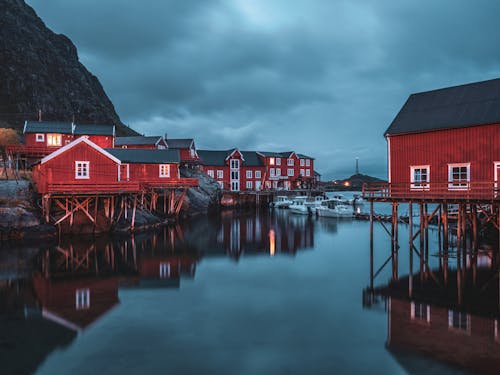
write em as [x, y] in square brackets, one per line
[241, 293]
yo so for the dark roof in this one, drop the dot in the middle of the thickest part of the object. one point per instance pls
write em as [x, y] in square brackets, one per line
[276, 154]
[179, 142]
[48, 127]
[214, 158]
[137, 140]
[316, 173]
[252, 159]
[302, 156]
[130, 155]
[90, 129]
[452, 107]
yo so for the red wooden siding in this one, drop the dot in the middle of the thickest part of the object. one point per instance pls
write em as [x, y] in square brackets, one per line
[151, 172]
[104, 141]
[185, 154]
[30, 140]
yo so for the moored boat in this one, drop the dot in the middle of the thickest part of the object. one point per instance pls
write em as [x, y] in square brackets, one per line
[282, 201]
[298, 206]
[332, 208]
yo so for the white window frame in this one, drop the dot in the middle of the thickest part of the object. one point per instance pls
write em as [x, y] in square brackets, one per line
[221, 183]
[419, 318]
[51, 137]
[458, 185]
[79, 166]
[258, 174]
[308, 162]
[249, 185]
[290, 172]
[302, 162]
[466, 329]
[308, 173]
[235, 164]
[249, 174]
[278, 161]
[164, 170]
[220, 173]
[164, 270]
[278, 172]
[272, 161]
[210, 172]
[271, 172]
[82, 299]
[301, 172]
[40, 137]
[420, 185]
[290, 162]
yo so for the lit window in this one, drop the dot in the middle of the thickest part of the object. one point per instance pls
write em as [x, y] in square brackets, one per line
[164, 270]
[220, 173]
[458, 320]
[271, 161]
[458, 176]
[278, 171]
[291, 171]
[82, 299]
[249, 184]
[420, 177]
[308, 172]
[164, 170]
[421, 312]
[82, 169]
[210, 172]
[290, 162]
[257, 174]
[278, 161]
[301, 162]
[249, 174]
[308, 162]
[54, 139]
[40, 137]
[271, 172]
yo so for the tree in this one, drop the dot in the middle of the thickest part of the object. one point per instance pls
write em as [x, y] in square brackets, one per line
[8, 136]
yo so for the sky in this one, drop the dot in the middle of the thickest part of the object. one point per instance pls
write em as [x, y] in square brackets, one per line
[323, 78]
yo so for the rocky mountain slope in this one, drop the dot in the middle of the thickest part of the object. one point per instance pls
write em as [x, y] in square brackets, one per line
[40, 70]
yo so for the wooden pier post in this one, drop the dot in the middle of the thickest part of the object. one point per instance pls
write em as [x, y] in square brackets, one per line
[410, 230]
[421, 237]
[445, 243]
[371, 244]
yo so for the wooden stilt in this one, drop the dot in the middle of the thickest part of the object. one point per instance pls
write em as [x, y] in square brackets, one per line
[371, 244]
[421, 237]
[410, 230]
[133, 212]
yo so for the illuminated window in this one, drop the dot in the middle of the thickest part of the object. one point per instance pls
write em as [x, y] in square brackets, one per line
[308, 162]
[220, 173]
[290, 162]
[291, 172]
[164, 170]
[249, 174]
[419, 177]
[271, 161]
[40, 137]
[82, 169]
[164, 270]
[421, 312]
[459, 320]
[458, 176]
[82, 299]
[210, 172]
[54, 139]
[249, 184]
[301, 162]
[257, 174]
[278, 161]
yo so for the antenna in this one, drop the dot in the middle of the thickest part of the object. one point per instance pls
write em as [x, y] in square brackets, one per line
[39, 115]
[357, 165]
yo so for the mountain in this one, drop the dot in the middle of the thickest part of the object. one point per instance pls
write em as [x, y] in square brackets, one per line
[355, 182]
[40, 70]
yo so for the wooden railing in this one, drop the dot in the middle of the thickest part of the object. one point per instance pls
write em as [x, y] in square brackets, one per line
[78, 187]
[171, 183]
[483, 190]
[29, 150]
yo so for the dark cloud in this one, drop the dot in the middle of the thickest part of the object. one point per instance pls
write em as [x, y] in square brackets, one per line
[324, 78]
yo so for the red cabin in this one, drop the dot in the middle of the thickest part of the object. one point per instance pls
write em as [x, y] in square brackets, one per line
[142, 142]
[288, 170]
[186, 148]
[445, 144]
[101, 135]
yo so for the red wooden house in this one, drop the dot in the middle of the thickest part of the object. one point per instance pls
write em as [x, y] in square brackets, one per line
[142, 142]
[446, 144]
[186, 148]
[288, 170]
[234, 170]
[101, 135]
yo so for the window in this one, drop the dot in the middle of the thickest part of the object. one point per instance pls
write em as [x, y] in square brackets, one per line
[308, 172]
[420, 177]
[257, 185]
[164, 170]
[291, 171]
[249, 185]
[278, 161]
[40, 137]
[249, 174]
[257, 174]
[82, 299]
[210, 172]
[278, 171]
[308, 162]
[275, 184]
[235, 163]
[235, 175]
[124, 146]
[458, 176]
[458, 320]
[235, 186]
[54, 139]
[421, 312]
[271, 172]
[82, 169]
[301, 172]
[290, 162]
[301, 162]
[164, 270]
[220, 173]
[192, 153]
[287, 185]
[221, 183]
[271, 161]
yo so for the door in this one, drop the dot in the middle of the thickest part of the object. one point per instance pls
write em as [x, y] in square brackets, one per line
[235, 174]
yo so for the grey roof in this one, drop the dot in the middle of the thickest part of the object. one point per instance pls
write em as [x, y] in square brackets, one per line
[276, 154]
[94, 129]
[452, 107]
[252, 159]
[130, 155]
[137, 140]
[214, 158]
[48, 127]
[316, 173]
[302, 156]
[179, 142]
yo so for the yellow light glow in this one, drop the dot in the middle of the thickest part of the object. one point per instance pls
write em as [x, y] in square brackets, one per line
[346, 183]
[272, 242]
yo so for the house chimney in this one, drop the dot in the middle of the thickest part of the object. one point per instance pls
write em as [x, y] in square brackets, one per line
[165, 136]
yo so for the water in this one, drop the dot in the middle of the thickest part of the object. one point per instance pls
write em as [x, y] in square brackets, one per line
[241, 293]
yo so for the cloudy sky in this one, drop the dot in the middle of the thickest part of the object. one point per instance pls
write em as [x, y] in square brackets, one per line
[324, 78]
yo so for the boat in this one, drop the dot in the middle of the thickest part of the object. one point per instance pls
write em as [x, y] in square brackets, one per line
[281, 201]
[355, 201]
[298, 206]
[332, 208]
[314, 202]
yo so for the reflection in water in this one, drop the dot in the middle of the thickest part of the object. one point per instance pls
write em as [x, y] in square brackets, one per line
[62, 290]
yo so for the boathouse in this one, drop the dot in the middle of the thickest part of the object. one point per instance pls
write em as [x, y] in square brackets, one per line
[141, 142]
[187, 150]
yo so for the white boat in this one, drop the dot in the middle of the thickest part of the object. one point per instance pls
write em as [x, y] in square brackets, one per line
[355, 201]
[298, 206]
[332, 208]
[314, 202]
[281, 201]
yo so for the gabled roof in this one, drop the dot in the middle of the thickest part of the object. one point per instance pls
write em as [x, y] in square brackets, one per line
[452, 107]
[302, 156]
[213, 157]
[73, 144]
[94, 129]
[130, 155]
[252, 159]
[286, 154]
[138, 140]
[48, 127]
[178, 143]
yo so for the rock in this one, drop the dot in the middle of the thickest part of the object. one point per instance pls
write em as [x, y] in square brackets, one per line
[204, 198]
[40, 70]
